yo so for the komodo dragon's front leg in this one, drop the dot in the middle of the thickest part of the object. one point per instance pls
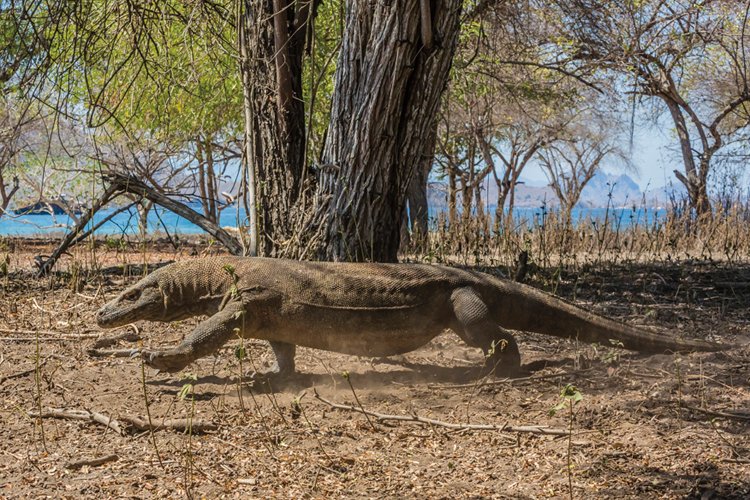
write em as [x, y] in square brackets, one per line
[211, 334]
[207, 337]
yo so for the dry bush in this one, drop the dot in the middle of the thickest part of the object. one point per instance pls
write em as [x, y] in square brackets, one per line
[621, 237]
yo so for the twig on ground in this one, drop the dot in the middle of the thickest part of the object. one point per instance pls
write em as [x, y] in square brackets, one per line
[177, 424]
[714, 413]
[22, 373]
[91, 416]
[92, 461]
[533, 378]
[44, 339]
[115, 353]
[128, 335]
[533, 429]
[51, 333]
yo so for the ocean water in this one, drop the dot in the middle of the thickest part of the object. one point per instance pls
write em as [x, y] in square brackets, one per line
[164, 221]
[125, 223]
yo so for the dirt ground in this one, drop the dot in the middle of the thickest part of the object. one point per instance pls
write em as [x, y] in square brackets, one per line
[646, 426]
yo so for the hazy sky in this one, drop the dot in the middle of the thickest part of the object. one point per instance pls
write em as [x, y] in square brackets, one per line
[654, 156]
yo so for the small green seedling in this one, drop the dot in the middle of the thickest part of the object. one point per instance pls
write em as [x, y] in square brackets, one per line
[187, 388]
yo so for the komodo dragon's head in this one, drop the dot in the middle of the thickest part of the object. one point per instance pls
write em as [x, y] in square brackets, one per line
[142, 301]
[151, 299]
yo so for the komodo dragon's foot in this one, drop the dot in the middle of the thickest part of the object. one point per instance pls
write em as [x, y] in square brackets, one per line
[165, 361]
[273, 376]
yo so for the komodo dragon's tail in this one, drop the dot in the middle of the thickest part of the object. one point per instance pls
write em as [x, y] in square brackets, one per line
[521, 307]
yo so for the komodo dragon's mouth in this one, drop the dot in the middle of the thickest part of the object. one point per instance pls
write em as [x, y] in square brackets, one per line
[132, 305]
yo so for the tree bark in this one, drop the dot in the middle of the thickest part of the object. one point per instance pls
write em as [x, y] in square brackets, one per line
[248, 188]
[276, 138]
[418, 209]
[387, 91]
[417, 193]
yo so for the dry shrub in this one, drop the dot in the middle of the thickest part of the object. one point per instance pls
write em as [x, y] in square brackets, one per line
[622, 236]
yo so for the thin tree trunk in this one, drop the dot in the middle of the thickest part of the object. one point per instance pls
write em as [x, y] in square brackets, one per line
[143, 207]
[199, 157]
[211, 182]
[452, 192]
[250, 175]
[696, 185]
[7, 195]
[478, 200]
[417, 195]
[467, 192]
[418, 209]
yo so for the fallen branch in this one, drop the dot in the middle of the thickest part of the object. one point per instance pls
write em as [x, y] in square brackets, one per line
[92, 462]
[177, 424]
[108, 195]
[128, 335]
[21, 373]
[129, 184]
[503, 381]
[721, 414]
[91, 416]
[115, 353]
[49, 333]
[383, 417]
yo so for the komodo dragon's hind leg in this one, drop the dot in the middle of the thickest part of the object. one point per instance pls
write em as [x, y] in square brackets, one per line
[476, 327]
[207, 337]
[284, 359]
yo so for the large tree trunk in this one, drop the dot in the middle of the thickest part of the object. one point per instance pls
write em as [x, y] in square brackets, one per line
[387, 91]
[275, 32]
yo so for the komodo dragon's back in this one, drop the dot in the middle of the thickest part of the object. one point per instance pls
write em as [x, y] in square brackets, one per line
[354, 286]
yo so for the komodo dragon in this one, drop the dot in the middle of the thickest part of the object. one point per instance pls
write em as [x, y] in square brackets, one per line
[361, 309]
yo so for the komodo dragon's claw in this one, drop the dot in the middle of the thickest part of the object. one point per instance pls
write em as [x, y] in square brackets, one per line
[164, 361]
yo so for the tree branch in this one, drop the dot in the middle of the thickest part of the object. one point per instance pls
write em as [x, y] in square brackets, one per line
[533, 429]
[135, 186]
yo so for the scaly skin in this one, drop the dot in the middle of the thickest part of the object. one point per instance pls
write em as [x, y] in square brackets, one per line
[361, 309]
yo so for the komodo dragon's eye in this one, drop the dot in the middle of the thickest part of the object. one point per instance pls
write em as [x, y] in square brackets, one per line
[132, 295]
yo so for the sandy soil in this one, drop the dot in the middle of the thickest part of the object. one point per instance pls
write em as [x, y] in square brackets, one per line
[646, 427]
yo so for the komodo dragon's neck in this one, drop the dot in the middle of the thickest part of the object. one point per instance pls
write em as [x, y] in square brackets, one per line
[199, 283]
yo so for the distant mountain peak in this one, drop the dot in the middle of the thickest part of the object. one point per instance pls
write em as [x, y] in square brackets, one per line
[624, 190]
